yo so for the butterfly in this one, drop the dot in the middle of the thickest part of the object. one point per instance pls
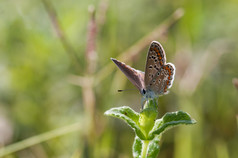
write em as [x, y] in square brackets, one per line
[158, 76]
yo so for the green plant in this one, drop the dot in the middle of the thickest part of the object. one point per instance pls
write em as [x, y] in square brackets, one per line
[147, 128]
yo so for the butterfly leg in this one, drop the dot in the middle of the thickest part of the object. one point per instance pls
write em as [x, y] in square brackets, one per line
[142, 102]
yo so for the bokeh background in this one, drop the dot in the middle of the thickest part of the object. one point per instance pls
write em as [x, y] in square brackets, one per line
[57, 79]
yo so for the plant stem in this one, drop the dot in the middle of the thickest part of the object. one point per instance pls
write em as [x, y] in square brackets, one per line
[76, 127]
[145, 148]
[61, 34]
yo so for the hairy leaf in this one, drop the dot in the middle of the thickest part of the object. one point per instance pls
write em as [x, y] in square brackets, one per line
[169, 120]
[154, 148]
[137, 147]
[129, 116]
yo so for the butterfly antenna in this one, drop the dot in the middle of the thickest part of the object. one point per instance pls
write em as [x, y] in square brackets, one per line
[122, 90]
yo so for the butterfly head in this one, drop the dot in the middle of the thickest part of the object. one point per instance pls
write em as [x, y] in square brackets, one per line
[148, 94]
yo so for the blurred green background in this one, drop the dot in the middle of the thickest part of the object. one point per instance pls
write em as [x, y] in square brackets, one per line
[57, 79]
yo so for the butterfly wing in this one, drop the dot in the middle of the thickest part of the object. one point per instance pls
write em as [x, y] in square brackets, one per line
[159, 76]
[163, 80]
[155, 61]
[135, 76]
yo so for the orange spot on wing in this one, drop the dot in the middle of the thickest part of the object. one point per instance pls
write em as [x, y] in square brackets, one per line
[169, 73]
[161, 63]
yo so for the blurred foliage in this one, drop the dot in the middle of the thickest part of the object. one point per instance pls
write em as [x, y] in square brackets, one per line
[39, 93]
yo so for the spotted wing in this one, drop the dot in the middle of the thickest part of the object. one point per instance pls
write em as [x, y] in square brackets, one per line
[158, 75]
[135, 76]
[163, 79]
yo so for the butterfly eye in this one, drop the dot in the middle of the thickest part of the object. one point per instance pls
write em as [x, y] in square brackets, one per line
[143, 91]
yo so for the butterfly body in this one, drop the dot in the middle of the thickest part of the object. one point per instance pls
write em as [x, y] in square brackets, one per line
[158, 76]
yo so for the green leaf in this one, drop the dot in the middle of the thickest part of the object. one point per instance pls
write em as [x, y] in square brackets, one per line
[137, 147]
[129, 116]
[170, 120]
[154, 148]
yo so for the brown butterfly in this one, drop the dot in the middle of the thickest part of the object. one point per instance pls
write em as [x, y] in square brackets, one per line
[158, 76]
